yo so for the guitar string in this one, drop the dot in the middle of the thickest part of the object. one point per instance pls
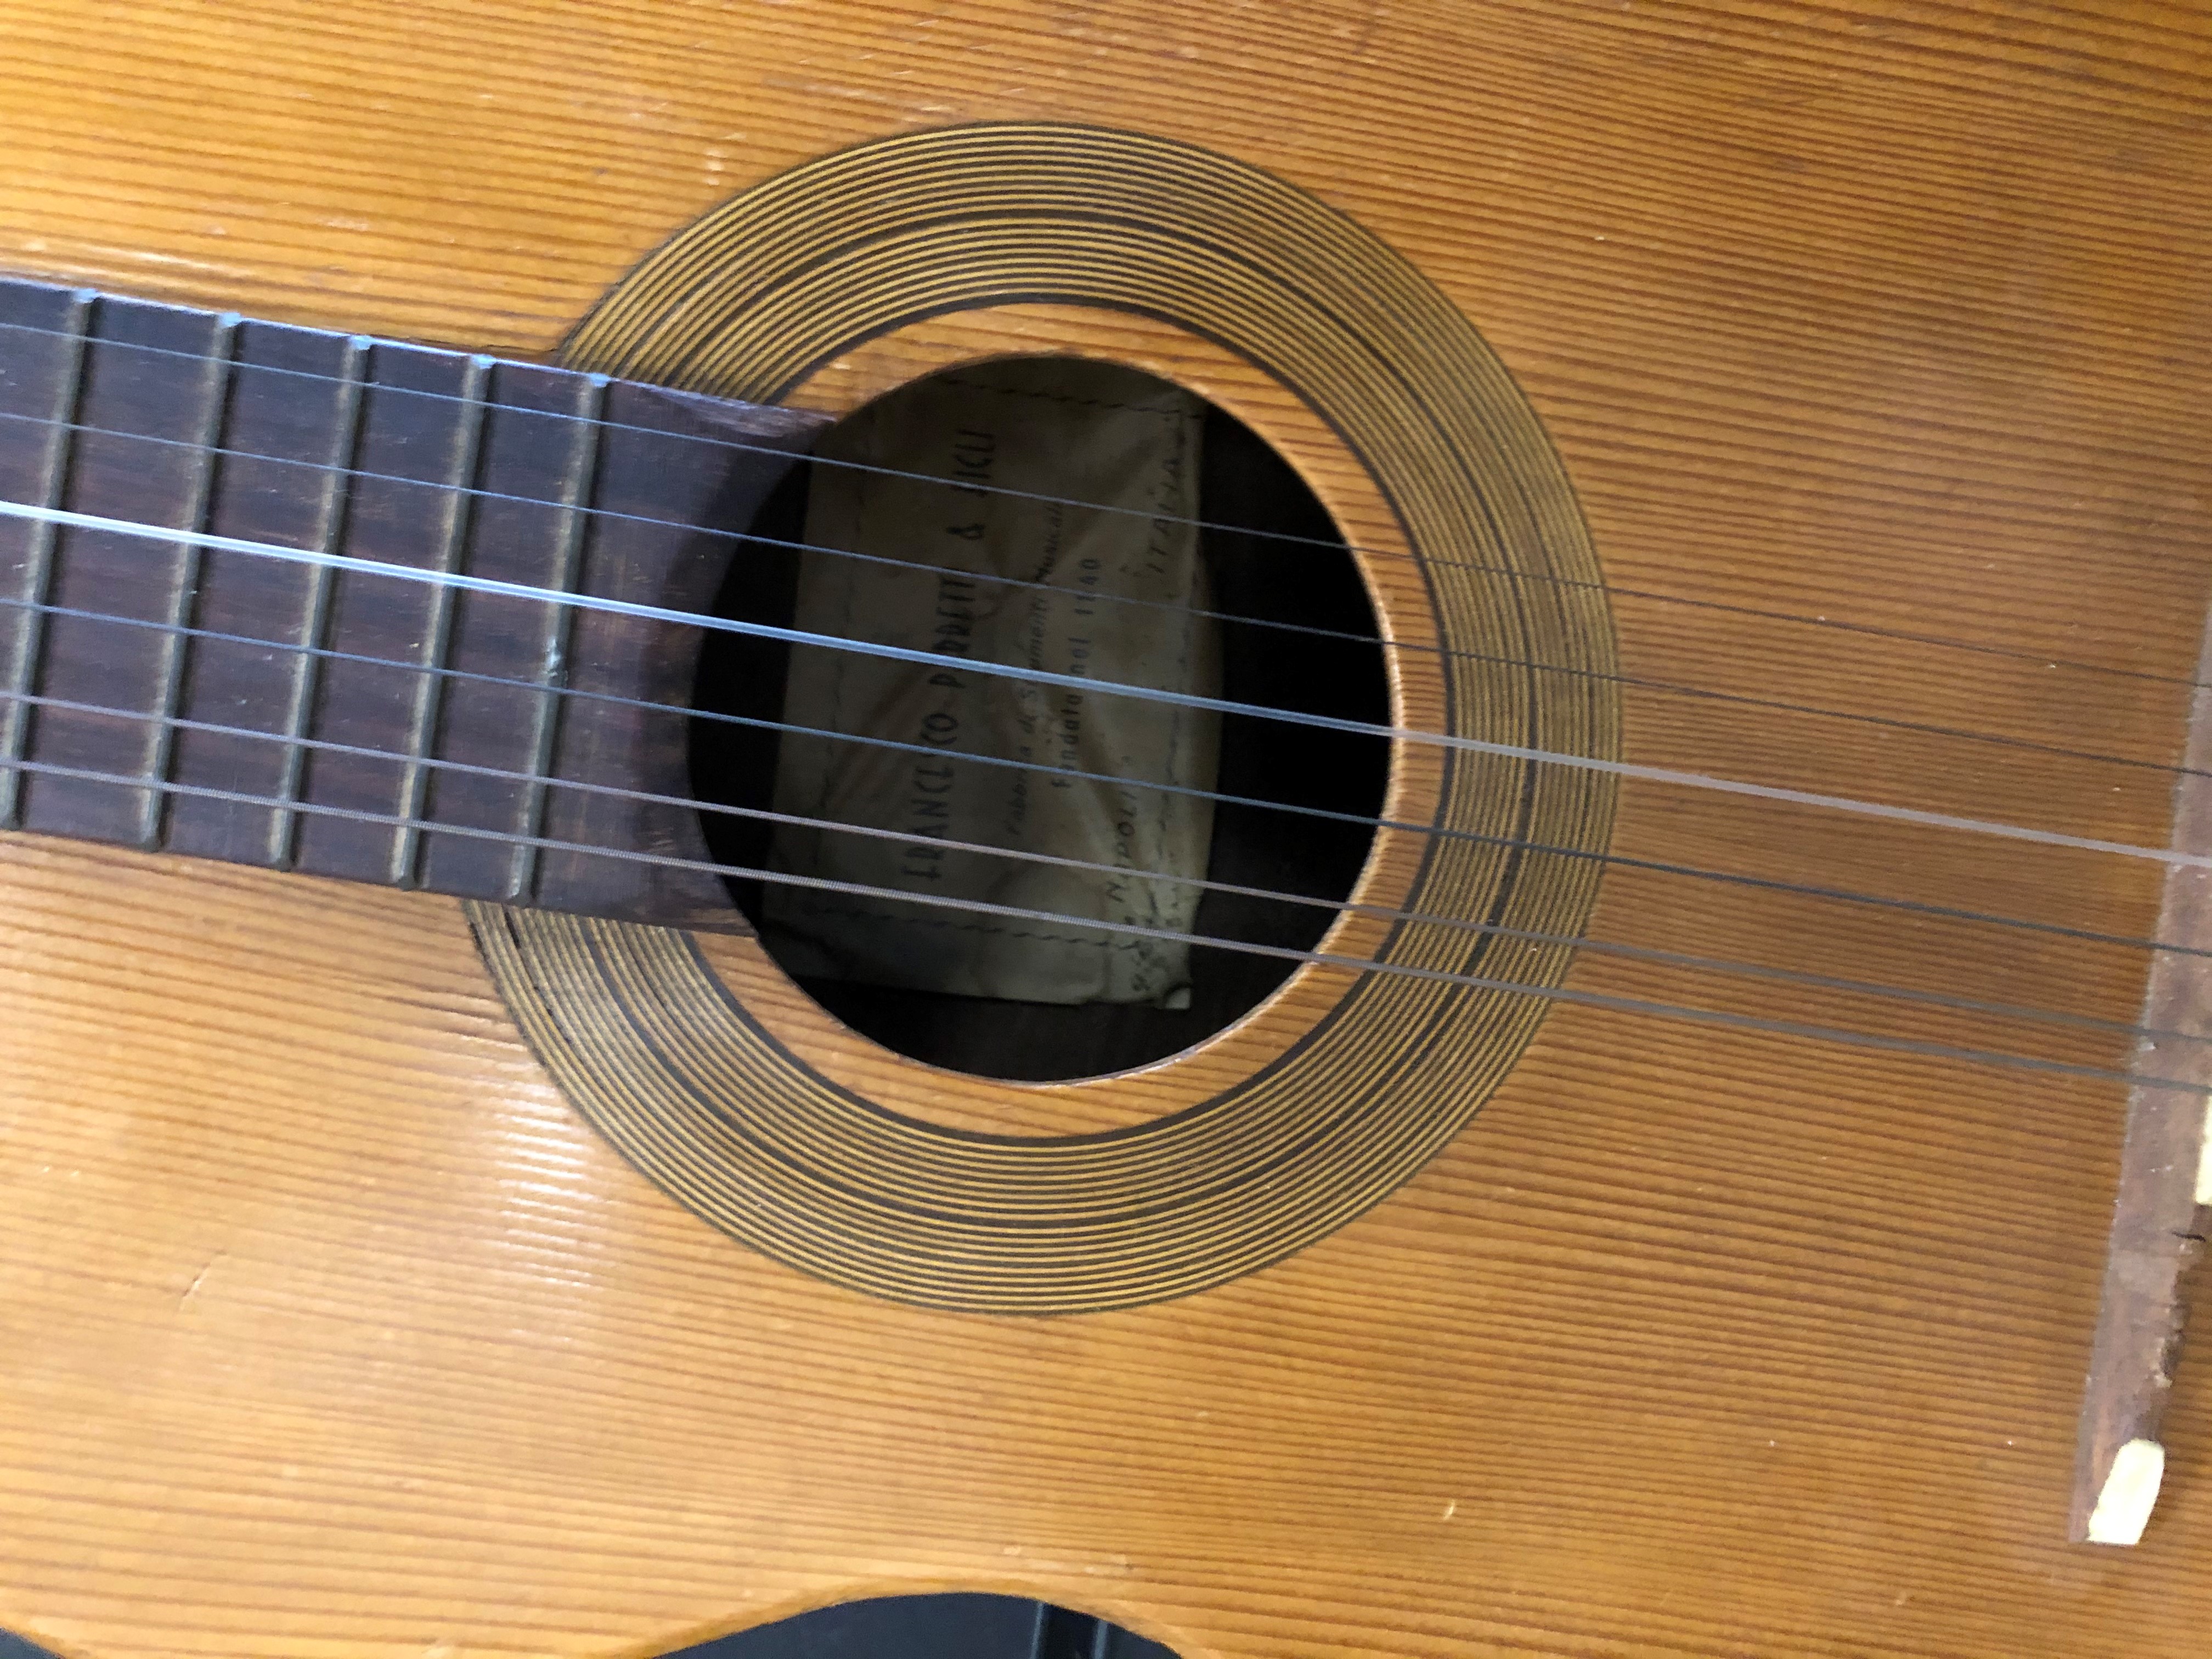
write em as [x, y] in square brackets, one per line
[2120, 759]
[1628, 770]
[1642, 953]
[705, 401]
[1354, 965]
[738, 537]
[543, 596]
[1909, 907]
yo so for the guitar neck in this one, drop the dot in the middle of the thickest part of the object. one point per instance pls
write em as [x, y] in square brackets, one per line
[194, 695]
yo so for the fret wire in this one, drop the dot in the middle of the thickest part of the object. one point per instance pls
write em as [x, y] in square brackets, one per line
[1463, 923]
[41, 544]
[1669, 687]
[183, 596]
[1656, 866]
[579, 487]
[1610, 589]
[1354, 966]
[333, 513]
[452, 555]
[1455, 742]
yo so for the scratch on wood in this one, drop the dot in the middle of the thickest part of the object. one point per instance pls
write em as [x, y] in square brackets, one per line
[199, 1279]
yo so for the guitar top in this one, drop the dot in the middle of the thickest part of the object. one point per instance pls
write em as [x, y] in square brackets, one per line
[1652, 1194]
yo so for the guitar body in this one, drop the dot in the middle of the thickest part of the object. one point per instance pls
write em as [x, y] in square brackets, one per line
[330, 1325]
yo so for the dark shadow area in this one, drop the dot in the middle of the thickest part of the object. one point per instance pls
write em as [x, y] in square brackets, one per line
[1254, 575]
[951, 1626]
[897, 1627]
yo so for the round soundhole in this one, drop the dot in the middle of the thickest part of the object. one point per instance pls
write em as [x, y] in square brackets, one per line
[709, 1068]
[999, 874]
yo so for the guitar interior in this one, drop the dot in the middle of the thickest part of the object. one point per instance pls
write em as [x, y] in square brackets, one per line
[1282, 568]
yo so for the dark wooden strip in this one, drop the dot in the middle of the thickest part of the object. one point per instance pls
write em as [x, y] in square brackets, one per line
[536, 456]
[414, 416]
[314, 627]
[41, 379]
[2160, 1218]
[432, 460]
[422, 723]
[653, 467]
[139, 455]
[576, 542]
[218, 378]
[288, 412]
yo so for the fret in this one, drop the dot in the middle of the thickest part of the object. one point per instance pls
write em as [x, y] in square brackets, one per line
[34, 573]
[285, 415]
[219, 378]
[577, 494]
[452, 555]
[139, 455]
[535, 464]
[335, 501]
[214, 701]
[652, 468]
[422, 429]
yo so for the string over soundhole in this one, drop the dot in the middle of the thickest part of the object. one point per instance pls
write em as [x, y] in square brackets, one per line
[705, 1065]
[1089, 520]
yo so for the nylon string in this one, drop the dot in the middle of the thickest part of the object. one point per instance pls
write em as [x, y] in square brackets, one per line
[1642, 953]
[465, 582]
[740, 446]
[747, 538]
[1355, 965]
[1911, 906]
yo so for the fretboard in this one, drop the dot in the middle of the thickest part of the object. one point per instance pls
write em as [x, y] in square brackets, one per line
[196, 696]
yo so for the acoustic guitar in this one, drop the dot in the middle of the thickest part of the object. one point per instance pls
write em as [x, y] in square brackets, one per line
[1699, 528]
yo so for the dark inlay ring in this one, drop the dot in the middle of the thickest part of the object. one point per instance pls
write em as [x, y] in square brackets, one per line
[701, 1097]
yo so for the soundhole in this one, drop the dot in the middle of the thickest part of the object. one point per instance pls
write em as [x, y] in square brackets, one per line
[1291, 807]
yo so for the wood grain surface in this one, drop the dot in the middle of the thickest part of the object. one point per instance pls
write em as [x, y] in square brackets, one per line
[326, 1328]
